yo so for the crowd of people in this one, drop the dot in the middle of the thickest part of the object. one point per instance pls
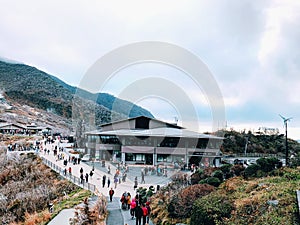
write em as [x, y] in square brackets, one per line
[138, 210]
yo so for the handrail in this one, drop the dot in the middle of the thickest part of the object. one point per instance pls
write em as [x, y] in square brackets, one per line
[70, 177]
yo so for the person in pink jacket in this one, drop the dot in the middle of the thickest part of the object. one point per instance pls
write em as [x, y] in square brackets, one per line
[132, 208]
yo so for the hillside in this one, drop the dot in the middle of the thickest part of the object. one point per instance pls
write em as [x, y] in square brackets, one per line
[28, 186]
[263, 198]
[27, 85]
[235, 142]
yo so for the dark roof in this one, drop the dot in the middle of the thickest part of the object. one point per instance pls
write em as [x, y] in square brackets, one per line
[10, 126]
[134, 118]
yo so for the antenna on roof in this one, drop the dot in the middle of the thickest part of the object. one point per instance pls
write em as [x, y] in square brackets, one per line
[176, 120]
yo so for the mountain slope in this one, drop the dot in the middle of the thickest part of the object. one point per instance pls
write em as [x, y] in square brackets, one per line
[108, 101]
[28, 85]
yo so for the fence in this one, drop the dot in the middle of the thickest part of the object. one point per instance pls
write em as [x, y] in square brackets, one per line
[70, 177]
[258, 155]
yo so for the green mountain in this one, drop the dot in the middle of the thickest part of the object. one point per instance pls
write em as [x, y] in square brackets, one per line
[30, 86]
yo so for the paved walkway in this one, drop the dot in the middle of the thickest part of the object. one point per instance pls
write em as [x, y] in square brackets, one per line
[117, 216]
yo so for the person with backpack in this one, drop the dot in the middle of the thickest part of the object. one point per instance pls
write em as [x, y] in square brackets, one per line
[111, 194]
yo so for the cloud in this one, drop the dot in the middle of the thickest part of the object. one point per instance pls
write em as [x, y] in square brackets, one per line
[251, 47]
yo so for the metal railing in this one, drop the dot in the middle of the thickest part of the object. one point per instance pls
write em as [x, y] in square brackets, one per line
[70, 177]
[257, 155]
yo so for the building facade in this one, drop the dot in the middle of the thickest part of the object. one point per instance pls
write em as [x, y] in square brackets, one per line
[144, 140]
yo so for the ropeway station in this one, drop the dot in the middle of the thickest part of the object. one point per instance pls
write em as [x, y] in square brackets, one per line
[149, 141]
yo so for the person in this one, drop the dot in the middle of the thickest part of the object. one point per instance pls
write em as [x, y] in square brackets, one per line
[103, 180]
[111, 194]
[86, 177]
[91, 174]
[128, 200]
[116, 182]
[143, 178]
[81, 178]
[124, 177]
[108, 169]
[124, 200]
[135, 183]
[132, 208]
[145, 213]
[108, 182]
[81, 170]
[138, 214]
[70, 171]
[149, 211]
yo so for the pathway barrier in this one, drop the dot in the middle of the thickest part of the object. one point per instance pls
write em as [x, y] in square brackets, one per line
[70, 177]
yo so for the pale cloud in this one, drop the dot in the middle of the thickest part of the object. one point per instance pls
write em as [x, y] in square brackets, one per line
[277, 16]
[251, 47]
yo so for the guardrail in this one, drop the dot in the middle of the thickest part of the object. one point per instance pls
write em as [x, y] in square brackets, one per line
[257, 155]
[70, 177]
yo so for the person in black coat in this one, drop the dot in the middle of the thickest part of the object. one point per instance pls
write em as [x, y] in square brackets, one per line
[138, 214]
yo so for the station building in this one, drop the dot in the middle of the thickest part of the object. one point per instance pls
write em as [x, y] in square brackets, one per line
[144, 140]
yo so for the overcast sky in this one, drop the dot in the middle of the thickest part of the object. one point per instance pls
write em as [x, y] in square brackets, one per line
[251, 47]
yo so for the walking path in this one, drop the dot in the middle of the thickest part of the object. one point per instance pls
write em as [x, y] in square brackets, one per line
[117, 216]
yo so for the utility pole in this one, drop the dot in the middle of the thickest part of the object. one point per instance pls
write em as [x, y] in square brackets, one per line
[286, 146]
[285, 121]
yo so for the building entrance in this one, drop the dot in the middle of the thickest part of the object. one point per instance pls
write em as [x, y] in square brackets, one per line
[149, 159]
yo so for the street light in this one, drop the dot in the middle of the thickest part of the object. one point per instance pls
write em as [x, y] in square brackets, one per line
[285, 121]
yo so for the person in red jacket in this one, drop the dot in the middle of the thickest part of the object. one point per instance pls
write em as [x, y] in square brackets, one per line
[111, 194]
[149, 211]
[145, 213]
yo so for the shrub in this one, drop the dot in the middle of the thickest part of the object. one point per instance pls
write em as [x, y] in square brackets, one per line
[197, 176]
[181, 204]
[211, 209]
[237, 169]
[267, 164]
[218, 174]
[251, 171]
[226, 170]
[211, 181]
